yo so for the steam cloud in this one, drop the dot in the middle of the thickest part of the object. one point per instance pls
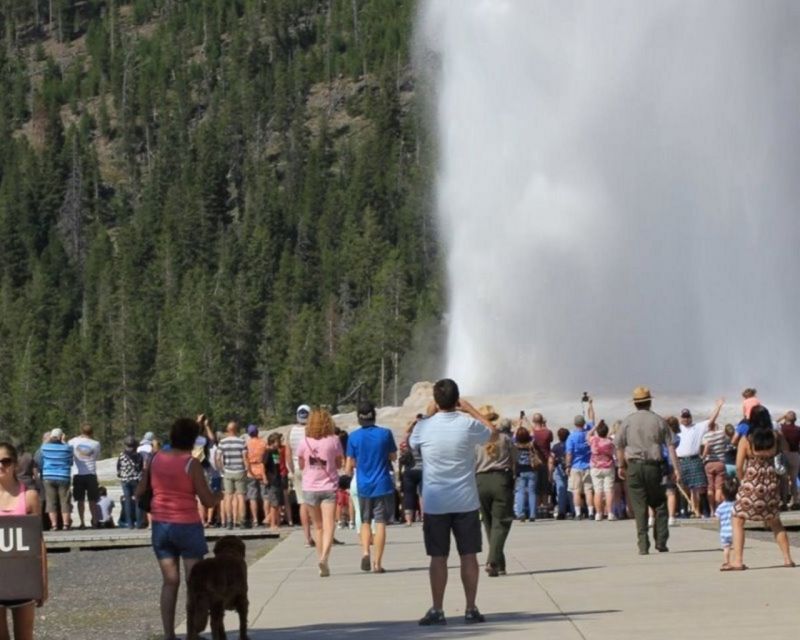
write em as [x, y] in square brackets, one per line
[618, 192]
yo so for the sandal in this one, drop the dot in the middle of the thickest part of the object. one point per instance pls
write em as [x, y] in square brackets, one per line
[731, 567]
[789, 565]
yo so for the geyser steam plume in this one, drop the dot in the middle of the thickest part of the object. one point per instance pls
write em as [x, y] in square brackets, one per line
[617, 191]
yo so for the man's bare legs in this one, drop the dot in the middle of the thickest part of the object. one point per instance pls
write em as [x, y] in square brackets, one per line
[469, 578]
[438, 577]
[470, 573]
[380, 544]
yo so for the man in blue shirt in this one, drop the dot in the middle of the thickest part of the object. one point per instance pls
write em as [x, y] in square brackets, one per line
[57, 458]
[371, 451]
[578, 460]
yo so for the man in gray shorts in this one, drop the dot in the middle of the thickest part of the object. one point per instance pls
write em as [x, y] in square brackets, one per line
[371, 451]
[232, 459]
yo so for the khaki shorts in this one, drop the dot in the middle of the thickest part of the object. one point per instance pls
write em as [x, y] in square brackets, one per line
[580, 481]
[234, 482]
[58, 496]
[603, 480]
[297, 481]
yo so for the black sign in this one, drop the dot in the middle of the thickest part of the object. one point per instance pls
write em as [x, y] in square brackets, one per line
[21, 558]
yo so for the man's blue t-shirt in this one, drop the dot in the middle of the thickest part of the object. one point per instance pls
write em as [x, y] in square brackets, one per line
[371, 446]
[580, 450]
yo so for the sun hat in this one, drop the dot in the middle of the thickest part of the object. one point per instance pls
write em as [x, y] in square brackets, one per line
[641, 394]
[488, 412]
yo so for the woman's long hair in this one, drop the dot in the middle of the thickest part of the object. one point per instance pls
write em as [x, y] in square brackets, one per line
[320, 425]
[761, 433]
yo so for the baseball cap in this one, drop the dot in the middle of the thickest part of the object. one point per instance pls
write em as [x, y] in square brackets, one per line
[302, 413]
[366, 413]
[252, 430]
[149, 436]
[57, 433]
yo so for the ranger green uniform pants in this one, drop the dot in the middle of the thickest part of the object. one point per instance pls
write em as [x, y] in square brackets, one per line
[496, 494]
[646, 489]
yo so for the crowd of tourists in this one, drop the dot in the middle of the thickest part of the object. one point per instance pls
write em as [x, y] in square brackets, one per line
[456, 469]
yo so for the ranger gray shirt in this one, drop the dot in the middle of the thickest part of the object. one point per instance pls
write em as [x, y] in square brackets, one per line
[502, 458]
[642, 435]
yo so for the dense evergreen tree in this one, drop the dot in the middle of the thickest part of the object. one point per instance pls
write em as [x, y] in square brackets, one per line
[207, 205]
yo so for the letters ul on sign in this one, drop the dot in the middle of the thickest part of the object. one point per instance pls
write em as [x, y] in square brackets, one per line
[21, 557]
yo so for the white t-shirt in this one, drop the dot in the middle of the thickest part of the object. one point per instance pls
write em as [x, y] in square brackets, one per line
[447, 441]
[86, 452]
[296, 435]
[691, 439]
[106, 506]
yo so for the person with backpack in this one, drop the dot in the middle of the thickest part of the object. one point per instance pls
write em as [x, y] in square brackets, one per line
[130, 464]
[411, 475]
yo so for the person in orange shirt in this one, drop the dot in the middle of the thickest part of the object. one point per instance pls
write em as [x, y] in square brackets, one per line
[256, 474]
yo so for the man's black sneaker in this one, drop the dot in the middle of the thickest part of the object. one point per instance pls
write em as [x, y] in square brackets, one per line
[433, 617]
[473, 616]
[662, 549]
[335, 541]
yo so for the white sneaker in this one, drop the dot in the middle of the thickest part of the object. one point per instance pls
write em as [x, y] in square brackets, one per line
[651, 522]
[611, 516]
[598, 517]
[671, 522]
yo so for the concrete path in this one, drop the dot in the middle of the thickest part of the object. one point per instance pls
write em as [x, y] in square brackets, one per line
[567, 580]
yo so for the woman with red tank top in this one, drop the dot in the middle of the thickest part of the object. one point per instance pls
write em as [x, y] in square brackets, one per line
[177, 481]
[16, 500]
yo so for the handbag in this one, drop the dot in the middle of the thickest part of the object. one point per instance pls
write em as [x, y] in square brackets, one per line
[145, 499]
[780, 465]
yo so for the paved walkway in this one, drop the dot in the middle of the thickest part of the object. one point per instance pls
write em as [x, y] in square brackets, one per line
[566, 580]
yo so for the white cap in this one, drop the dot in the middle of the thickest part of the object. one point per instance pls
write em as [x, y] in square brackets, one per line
[56, 434]
[302, 413]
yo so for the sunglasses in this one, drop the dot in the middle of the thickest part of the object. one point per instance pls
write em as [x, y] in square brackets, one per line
[6, 462]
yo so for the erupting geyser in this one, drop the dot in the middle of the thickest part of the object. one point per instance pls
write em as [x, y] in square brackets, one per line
[618, 192]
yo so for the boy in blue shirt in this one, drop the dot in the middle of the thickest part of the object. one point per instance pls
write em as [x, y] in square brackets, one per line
[371, 451]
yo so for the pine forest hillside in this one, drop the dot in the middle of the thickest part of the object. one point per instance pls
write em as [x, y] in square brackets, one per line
[208, 205]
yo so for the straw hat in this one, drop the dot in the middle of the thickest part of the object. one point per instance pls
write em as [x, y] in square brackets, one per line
[488, 412]
[641, 394]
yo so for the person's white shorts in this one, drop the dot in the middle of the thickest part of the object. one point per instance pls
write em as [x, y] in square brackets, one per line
[297, 481]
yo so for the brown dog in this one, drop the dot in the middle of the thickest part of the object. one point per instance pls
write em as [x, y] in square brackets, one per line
[214, 585]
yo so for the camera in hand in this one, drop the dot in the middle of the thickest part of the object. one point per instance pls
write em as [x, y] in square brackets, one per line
[585, 397]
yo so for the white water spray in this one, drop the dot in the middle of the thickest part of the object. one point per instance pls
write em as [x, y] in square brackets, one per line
[618, 192]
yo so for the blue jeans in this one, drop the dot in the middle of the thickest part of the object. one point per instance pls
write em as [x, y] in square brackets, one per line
[525, 486]
[133, 514]
[563, 496]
